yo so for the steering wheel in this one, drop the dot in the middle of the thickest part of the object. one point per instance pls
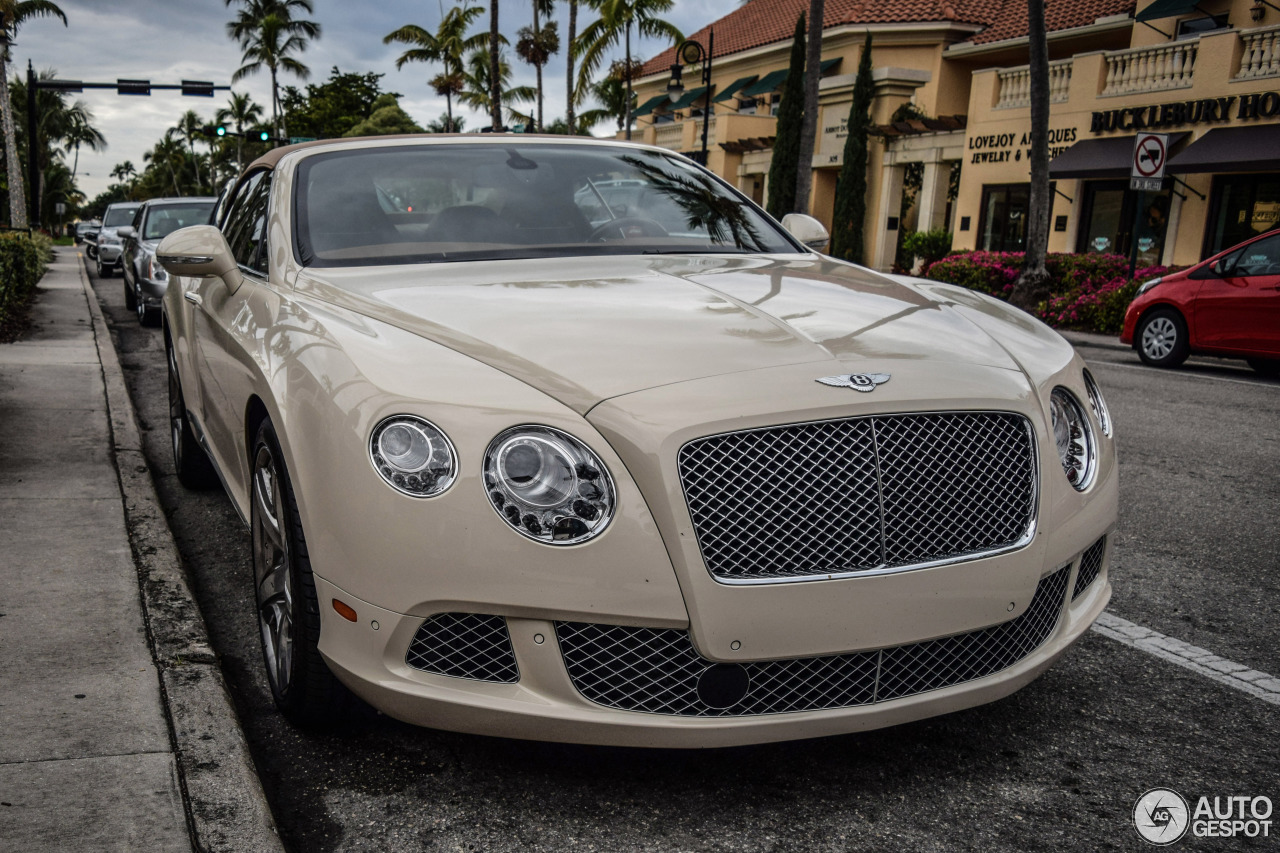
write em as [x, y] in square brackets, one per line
[626, 226]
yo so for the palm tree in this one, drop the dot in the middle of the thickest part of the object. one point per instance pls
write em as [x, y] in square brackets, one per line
[617, 18]
[189, 129]
[1032, 286]
[242, 112]
[495, 70]
[164, 153]
[270, 46]
[124, 172]
[12, 15]
[80, 131]
[809, 120]
[478, 88]
[611, 92]
[570, 89]
[537, 44]
[447, 45]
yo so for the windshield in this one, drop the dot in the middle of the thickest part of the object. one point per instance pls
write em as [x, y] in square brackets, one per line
[117, 216]
[486, 201]
[165, 219]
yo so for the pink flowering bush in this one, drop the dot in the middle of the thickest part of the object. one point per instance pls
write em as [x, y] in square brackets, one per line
[1090, 291]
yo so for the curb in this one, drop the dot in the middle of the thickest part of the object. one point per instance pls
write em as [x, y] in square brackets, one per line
[1080, 339]
[226, 807]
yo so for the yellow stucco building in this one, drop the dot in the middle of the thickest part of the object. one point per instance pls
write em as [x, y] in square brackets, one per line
[1205, 75]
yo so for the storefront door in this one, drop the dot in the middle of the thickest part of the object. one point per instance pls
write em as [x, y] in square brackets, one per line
[1244, 206]
[1107, 226]
[1004, 217]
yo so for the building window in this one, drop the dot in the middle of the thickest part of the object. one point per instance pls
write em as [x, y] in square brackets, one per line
[1002, 224]
[1196, 27]
[1242, 206]
[1110, 213]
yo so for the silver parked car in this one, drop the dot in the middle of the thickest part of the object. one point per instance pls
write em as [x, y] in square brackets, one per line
[144, 279]
[108, 244]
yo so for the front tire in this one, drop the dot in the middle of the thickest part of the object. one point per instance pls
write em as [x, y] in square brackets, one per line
[130, 298]
[147, 317]
[288, 610]
[103, 272]
[192, 465]
[1162, 338]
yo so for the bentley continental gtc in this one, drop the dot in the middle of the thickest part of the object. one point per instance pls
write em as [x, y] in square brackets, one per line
[523, 454]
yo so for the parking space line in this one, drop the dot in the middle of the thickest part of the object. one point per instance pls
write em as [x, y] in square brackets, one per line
[1255, 682]
[1256, 383]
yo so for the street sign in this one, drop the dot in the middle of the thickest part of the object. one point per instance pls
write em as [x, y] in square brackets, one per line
[197, 88]
[133, 87]
[1150, 152]
[294, 140]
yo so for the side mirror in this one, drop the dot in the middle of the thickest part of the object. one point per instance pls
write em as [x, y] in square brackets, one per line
[126, 232]
[807, 230]
[199, 250]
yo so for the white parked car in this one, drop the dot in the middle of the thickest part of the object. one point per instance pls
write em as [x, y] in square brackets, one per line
[665, 479]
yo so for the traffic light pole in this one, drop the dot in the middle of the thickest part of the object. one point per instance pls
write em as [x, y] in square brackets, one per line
[193, 88]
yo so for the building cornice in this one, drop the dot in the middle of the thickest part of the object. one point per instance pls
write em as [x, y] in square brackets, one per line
[966, 50]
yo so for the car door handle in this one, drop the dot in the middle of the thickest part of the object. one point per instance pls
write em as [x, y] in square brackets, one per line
[193, 297]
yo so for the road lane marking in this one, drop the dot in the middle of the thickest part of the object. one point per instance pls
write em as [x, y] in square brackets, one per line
[1255, 682]
[1255, 383]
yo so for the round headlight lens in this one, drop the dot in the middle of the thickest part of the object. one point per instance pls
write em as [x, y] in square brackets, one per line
[548, 485]
[1073, 436]
[1099, 405]
[413, 456]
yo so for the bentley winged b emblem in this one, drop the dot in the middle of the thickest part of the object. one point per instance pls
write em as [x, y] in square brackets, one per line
[856, 381]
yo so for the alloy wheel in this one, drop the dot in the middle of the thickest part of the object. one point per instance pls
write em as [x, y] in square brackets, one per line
[271, 564]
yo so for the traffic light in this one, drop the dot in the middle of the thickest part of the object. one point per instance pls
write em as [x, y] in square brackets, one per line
[218, 130]
[265, 136]
[221, 130]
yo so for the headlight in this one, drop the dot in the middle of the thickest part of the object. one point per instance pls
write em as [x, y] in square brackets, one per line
[1074, 438]
[413, 456]
[155, 271]
[1147, 285]
[1099, 405]
[548, 485]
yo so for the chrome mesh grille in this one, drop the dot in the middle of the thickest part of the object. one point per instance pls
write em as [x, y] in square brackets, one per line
[656, 670]
[1090, 566]
[858, 494]
[464, 645]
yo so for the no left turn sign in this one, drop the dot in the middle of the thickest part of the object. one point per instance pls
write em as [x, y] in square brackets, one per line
[1150, 150]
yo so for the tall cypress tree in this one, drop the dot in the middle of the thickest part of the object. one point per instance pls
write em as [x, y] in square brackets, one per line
[851, 194]
[786, 147]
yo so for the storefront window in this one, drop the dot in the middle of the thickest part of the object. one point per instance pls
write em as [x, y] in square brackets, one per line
[1112, 210]
[1245, 206]
[1004, 217]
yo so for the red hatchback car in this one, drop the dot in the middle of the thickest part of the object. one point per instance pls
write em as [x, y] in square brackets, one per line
[1228, 305]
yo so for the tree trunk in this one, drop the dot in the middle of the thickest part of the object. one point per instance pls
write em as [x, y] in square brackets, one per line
[195, 162]
[17, 197]
[1032, 287]
[569, 117]
[495, 86]
[627, 72]
[537, 68]
[809, 126]
[275, 105]
[448, 111]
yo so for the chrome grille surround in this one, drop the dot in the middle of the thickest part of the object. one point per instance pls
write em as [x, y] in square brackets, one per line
[1090, 566]
[861, 496]
[464, 645]
[656, 670]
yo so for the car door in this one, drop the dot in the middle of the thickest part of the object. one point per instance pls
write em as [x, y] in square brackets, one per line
[1239, 308]
[224, 323]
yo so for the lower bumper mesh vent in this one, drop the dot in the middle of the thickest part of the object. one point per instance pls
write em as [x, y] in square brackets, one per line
[1090, 566]
[465, 645]
[657, 670]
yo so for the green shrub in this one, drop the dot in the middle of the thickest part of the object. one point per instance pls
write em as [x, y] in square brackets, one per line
[22, 261]
[928, 246]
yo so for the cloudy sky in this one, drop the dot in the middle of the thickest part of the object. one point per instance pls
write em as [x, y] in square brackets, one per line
[167, 41]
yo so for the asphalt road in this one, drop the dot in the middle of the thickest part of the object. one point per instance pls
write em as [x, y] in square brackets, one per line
[1059, 764]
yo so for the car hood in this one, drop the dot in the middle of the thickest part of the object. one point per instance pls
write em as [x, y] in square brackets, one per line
[585, 330]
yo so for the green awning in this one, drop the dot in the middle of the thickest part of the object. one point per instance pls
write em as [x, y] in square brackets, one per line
[1165, 9]
[829, 63]
[649, 105]
[769, 82]
[689, 97]
[735, 86]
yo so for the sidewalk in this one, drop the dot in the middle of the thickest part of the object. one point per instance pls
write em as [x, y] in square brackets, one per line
[106, 727]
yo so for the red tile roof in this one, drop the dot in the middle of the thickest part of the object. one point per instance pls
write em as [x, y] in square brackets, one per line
[1058, 15]
[762, 22]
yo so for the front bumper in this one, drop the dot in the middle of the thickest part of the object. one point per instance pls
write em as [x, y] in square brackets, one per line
[152, 292]
[109, 255]
[546, 701]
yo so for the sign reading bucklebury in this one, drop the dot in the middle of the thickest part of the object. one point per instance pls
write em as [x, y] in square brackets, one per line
[1150, 151]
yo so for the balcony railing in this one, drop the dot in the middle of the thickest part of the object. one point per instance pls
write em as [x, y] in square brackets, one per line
[1261, 56]
[1151, 69]
[670, 135]
[1015, 85]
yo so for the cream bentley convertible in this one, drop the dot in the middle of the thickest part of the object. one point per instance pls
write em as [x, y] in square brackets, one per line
[566, 440]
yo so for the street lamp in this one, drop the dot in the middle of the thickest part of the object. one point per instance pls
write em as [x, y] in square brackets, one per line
[691, 52]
